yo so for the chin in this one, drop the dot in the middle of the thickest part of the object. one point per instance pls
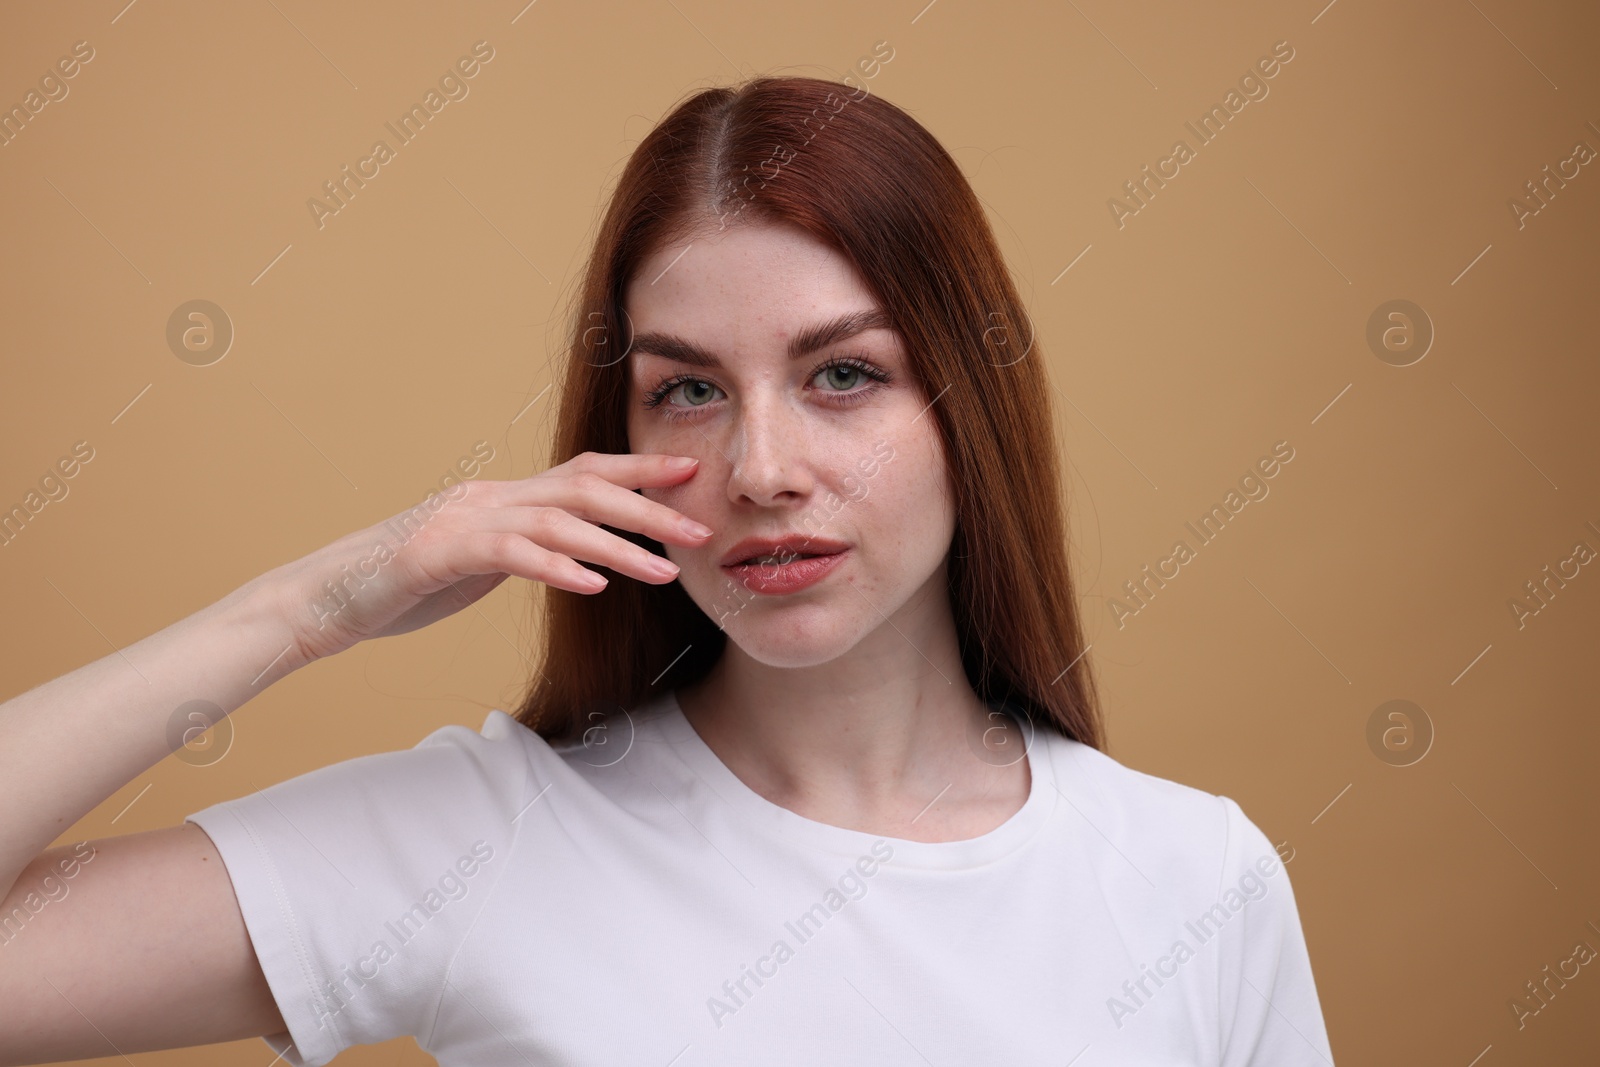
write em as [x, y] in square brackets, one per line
[783, 649]
[792, 636]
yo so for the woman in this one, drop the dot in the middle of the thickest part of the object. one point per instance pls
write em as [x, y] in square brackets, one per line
[824, 784]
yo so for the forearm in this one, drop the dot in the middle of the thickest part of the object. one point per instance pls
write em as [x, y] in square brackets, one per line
[68, 744]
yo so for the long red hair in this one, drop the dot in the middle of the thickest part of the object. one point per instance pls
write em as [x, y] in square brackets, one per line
[864, 177]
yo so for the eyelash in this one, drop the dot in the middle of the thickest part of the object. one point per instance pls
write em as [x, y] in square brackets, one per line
[656, 396]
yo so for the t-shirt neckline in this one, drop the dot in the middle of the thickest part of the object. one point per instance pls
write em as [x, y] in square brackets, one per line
[757, 810]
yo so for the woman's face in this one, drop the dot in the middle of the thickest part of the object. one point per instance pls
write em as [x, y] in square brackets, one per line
[796, 437]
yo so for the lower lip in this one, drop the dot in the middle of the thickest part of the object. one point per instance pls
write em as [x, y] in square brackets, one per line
[777, 579]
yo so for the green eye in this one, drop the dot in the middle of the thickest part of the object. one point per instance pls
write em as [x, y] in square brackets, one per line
[691, 385]
[842, 370]
[845, 372]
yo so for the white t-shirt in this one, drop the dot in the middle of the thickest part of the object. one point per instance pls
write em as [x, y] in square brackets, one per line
[631, 901]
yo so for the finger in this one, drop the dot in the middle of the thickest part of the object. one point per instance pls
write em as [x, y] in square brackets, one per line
[561, 531]
[506, 552]
[631, 470]
[592, 497]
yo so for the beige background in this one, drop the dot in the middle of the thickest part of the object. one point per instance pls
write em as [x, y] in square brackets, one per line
[1229, 314]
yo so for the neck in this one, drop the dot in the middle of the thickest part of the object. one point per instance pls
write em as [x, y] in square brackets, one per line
[879, 739]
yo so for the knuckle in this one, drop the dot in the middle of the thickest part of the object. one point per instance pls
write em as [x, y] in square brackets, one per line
[589, 481]
[503, 546]
[544, 519]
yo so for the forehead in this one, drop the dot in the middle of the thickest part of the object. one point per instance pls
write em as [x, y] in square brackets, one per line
[750, 284]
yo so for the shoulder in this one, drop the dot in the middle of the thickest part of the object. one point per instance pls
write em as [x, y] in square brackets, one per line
[393, 814]
[1175, 835]
[489, 766]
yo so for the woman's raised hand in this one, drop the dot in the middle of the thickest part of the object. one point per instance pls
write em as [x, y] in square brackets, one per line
[434, 559]
[71, 742]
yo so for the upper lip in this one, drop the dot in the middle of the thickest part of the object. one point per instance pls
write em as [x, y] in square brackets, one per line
[789, 544]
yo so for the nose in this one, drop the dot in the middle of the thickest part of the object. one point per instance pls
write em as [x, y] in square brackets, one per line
[771, 454]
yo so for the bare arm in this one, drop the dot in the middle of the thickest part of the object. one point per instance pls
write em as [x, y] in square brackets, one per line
[70, 743]
[93, 966]
[143, 945]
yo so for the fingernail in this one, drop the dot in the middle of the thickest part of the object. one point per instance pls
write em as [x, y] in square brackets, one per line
[694, 529]
[681, 462]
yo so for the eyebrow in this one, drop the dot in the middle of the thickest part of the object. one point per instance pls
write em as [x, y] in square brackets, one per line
[812, 338]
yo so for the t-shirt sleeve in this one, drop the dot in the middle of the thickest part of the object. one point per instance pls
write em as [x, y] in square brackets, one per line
[360, 880]
[1268, 1006]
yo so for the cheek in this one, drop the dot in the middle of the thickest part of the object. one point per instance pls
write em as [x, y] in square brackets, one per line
[907, 514]
[896, 494]
[681, 498]
[650, 433]
[923, 492]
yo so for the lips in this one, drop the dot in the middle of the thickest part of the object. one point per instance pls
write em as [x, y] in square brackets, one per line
[781, 579]
[785, 548]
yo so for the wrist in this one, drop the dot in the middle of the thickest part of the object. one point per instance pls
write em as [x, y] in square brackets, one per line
[267, 614]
